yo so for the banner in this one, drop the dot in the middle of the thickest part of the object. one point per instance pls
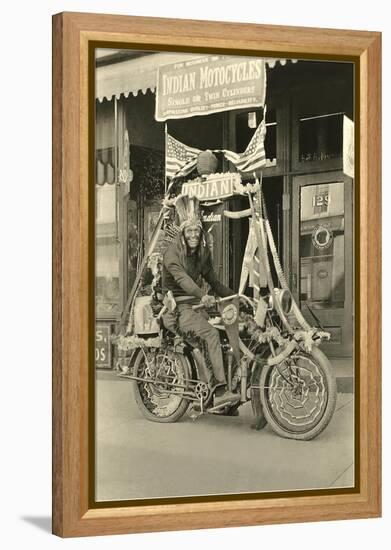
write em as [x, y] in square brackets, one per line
[216, 186]
[348, 146]
[208, 85]
[229, 311]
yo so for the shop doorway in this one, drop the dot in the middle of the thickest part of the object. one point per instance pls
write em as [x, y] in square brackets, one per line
[322, 255]
[238, 229]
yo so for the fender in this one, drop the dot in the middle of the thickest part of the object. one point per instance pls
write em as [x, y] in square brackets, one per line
[130, 360]
[126, 362]
[189, 354]
[196, 360]
[283, 354]
[193, 357]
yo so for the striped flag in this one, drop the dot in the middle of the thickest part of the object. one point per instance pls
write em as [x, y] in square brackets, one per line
[254, 156]
[180, 159]
[252, 269]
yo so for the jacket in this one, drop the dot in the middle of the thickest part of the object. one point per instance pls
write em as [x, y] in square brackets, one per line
[183, 272]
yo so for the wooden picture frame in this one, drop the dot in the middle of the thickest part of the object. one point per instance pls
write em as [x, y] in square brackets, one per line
[73, 34]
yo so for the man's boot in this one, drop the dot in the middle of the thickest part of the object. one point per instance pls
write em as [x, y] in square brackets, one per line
[231, 409]
[225, 398]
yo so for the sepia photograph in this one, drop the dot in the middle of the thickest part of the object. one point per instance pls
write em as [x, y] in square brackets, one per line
[224, 275]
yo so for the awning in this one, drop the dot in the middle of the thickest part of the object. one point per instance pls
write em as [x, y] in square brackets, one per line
[140, 74]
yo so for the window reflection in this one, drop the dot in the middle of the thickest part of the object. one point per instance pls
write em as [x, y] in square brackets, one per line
[320, 137]
[106, 252]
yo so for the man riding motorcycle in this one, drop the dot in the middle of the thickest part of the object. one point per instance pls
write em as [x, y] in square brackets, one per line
[186, 261]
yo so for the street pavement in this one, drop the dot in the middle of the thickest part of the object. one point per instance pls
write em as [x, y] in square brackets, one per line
[136, 458]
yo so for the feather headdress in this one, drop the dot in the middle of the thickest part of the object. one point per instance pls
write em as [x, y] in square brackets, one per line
[187, 211]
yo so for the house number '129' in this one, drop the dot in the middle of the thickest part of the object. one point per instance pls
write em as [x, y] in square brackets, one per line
[321, 200]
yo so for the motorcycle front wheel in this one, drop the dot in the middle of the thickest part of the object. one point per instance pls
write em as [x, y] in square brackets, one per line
[299, 395]
[161, 400]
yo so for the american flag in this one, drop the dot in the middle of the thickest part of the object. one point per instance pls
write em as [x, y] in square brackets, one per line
[180, 159]
[252, 268]
[254, 156]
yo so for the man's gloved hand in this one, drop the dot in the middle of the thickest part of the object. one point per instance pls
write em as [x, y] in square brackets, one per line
[208, 300]
[246, 303]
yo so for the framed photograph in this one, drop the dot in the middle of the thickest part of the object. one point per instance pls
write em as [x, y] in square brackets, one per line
[216, 272]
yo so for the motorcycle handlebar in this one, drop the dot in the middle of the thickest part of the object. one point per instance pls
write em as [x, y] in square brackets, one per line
[198, 306]
[226, 298]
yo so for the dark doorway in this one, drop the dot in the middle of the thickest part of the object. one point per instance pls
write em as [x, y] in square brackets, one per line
[272, 193]
[238, 229]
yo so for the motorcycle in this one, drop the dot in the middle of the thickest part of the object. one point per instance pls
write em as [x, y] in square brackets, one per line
[270, 354]
[287, 378]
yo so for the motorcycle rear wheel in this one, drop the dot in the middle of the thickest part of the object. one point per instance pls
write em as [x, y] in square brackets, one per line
[160, 402]
[299, 396]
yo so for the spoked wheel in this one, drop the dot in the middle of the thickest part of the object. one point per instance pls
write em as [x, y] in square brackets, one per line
[299, 395]
[163, 399]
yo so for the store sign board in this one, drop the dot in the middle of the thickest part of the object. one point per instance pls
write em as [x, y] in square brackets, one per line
[208, 85]
[213, 188]
[102, 346]
[348, 146]
[211, 217]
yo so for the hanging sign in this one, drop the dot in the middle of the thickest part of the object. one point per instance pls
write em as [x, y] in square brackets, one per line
[217, 186]
[208, 85]
[211, 217]
[348, 146]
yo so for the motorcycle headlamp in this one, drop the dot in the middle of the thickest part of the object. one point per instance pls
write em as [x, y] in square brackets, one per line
[284, 298]
[286, 302]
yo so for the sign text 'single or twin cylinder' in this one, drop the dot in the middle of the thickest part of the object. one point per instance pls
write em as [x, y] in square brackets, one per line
[209, 77]
[214, 84]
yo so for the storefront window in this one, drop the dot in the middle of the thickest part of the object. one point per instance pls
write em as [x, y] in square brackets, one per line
[320, 137]
[106, 252]
[105, 171]
[322, 247]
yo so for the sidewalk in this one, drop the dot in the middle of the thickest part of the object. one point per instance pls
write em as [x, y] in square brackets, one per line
[212, 455]
[343, 368]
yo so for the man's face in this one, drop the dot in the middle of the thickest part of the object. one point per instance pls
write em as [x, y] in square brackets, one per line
[192, 236]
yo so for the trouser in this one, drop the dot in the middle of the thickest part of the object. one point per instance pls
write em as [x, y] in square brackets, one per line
[195, 324]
